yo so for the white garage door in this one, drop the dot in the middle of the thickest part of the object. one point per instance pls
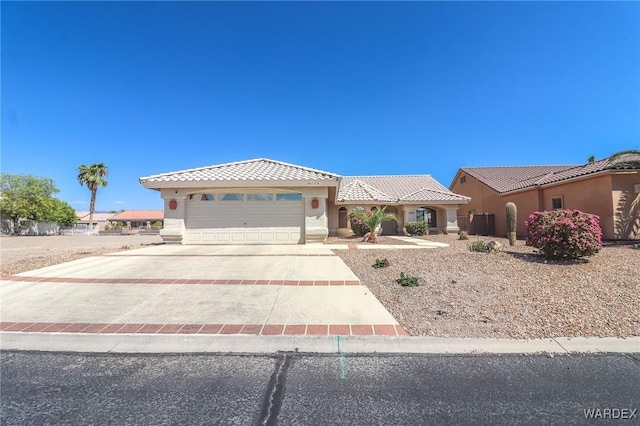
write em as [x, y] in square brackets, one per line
[235, 218]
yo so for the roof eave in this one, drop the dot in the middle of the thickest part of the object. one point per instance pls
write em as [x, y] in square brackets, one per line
[311, 183]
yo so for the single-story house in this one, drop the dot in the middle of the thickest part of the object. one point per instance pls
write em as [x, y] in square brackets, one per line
[100, 219]
[272, 202]
[138, 218]
[609, 189]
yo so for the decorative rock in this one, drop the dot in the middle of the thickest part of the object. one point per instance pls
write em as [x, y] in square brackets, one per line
[494, 246]
[366, 236]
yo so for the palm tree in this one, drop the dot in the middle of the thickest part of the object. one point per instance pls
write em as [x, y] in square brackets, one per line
[373, 219]
[629, 159]
[93, 176]
[591, 159]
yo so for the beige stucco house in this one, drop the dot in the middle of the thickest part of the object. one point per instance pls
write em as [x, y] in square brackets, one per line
[265, 201]
[610, 189]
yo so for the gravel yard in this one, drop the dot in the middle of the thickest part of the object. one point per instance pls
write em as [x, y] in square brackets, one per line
[512, 294]
[21, 254]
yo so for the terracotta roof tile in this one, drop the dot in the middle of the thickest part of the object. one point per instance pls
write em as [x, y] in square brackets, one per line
[83, 217]
[360, 191]
[261, 169]
[513, 178]
[138, 215]
[398, 188]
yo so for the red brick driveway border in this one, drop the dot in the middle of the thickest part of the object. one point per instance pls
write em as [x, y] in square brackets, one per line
[21, 278]
[247, 329]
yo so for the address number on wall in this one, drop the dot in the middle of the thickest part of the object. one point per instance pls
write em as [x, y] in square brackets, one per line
[313, 183]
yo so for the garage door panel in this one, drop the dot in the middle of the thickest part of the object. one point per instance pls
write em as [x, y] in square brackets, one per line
[245, 222]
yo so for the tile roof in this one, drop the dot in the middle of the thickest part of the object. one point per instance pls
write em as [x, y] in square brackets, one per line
[83, 217]
[138, 215]
[399, 188]
[360, 191]
[508, 179]
[260, 169]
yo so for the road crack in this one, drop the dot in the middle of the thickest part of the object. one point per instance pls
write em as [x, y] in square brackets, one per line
[275, 392]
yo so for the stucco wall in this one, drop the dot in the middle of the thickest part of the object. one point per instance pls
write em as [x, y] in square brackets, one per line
[626, 205]
[483, 198]
[526, 203]
[592, 195]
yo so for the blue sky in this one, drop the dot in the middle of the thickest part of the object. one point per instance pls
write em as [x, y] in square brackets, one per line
[352, 88]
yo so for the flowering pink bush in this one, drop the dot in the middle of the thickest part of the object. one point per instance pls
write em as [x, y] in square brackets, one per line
[564, 234]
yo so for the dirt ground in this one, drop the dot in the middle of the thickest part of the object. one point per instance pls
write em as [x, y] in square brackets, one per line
[25, 253]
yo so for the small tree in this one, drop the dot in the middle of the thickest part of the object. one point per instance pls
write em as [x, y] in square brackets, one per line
[60, 212]
[25, 197]
[93, 176]
[373, 219]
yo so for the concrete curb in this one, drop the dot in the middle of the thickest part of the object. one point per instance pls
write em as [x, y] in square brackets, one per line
[126, 343]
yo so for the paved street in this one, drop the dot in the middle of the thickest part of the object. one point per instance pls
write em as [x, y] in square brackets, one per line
[286, 389]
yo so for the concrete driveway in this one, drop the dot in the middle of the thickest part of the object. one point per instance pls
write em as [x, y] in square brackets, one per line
[267, 290]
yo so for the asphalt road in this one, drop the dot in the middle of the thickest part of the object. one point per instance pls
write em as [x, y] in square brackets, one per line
[300, 389]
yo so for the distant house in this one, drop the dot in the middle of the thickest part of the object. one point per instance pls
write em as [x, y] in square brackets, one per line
[138, 218]
[610, 189]
[100, 219]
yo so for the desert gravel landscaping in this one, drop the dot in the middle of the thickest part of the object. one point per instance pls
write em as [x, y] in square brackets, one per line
[511, 294]
[25, 253]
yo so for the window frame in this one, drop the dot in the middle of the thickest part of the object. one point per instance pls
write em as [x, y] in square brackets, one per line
[221, 197]
[257, 197]
[288, 196]
[554, 199]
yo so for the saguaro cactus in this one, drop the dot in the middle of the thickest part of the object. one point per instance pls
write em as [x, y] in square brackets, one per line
[512, 214]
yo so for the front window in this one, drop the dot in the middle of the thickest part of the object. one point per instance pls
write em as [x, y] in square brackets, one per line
[231, 197]
[201, 197]
[289, 196]
[426, 214]
[556, 203]
[259, 197]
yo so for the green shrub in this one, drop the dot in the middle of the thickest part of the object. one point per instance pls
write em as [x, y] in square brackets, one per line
[485, 247]
[463, 235]
[407, 281]
[359, 227]
[479, 246]
[417, 228]
[381, 263]
[564, 234]
[116, 225]
[156, 225]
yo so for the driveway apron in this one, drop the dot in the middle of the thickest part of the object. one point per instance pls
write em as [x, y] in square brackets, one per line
[173, 289]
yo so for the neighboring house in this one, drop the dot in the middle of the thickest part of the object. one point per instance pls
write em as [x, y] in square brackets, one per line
[100, 219]
[609, 189]
[267, 201]
[138, 218]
